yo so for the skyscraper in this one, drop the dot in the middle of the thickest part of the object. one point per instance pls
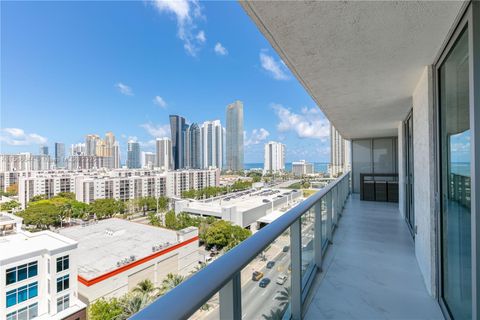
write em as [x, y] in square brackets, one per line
[59, 155]
[44, 150]
[147, 159]
[91, 141]
[164, 154]
[234, 136]
[133, 155]
[193, 146]
[274, 159]
[178, 128]
[212, 145]
[116, 155]
[339, 153]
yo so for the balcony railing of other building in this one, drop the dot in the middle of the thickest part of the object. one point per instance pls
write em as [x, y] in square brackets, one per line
[308, 227]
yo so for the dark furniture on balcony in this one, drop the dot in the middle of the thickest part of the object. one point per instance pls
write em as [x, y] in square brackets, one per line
[379, 187]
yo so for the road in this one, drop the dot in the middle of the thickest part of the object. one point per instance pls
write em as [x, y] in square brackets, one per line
[257, 301]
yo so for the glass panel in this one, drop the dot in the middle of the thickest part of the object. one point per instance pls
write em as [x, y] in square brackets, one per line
[59, 264]
[12, 316]
[324, 222]
[33, 290]
[22, 294]
[11, 298]
[22, 272]
[11, 275]
[33, 311]
[66, 261]
[66, 283]
[66, 302]
[308, 259]
[23, 314]
[59, 284]
[455, 156]
[383, 155]
[361, 160]
[266, 282]
[32, 269]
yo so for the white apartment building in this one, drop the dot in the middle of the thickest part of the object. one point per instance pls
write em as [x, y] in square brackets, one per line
[339, 154]
[301, 168]
[147, 159]
[120, 184]
[38, 274]
[179, 181]
[164, 158]
[274, 157]
[212, 144]
[85, 162]
[24, 162]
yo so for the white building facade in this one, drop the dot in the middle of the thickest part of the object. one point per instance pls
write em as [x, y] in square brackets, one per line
[274, 157]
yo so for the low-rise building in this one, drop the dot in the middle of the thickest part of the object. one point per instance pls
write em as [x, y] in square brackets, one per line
[25, 162]
[117, 254]
[243, 208]
[38, 273]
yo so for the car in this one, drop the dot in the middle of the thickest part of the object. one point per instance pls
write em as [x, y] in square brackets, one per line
[257, 275]
[286, 248]
[264, 283]
[270, 264]
[282, 278]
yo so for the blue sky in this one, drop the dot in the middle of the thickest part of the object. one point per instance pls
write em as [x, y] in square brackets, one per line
[73, 68]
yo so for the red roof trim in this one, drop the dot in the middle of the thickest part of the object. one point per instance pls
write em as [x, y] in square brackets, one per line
[105, 276]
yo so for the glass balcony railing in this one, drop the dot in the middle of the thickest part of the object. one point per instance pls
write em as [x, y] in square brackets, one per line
[266, 276]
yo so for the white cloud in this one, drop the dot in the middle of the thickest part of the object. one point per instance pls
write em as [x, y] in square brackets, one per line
[157, 131]
[220, 49]
[309, 123]
[18, 137]
[201, 36]
[159, 102]
[257, 136]
[124, 89]
[186, 12]
[276, 70]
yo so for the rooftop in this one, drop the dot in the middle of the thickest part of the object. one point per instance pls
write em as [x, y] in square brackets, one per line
[24, 243]
[103, 244]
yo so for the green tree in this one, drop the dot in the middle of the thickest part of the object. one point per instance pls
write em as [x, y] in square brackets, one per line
[103, 309]
[171, 220]
[145, 287]
[41, 214]
[275, 314]
[162, 203]
[9, 206]
[132, 303]
[38, 198]
[171, 281]
[106, 208]
[222, 234]
[283, 297]
[67, 195]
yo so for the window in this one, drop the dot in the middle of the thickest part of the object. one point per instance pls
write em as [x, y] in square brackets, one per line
[63, 263]
[63, 283]
[21, 294]
[63, 303]
[21, 272]
[26, 313]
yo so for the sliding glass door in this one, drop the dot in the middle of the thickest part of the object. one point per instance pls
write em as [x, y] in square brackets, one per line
[455, 154]
[409, 204]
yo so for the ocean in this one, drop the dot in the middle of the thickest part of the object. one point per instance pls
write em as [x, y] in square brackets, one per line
[317, 166]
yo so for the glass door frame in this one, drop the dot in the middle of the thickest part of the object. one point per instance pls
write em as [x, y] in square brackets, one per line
[469, 18]
[409, 173]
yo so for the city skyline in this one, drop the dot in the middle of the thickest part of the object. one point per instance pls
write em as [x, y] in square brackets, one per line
[133, 98]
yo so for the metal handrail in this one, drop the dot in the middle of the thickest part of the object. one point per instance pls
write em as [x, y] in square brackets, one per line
[185, 299]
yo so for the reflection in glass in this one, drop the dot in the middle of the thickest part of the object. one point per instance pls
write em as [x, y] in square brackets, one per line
[455, 162]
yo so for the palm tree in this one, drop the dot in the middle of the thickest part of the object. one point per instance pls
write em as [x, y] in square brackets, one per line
[171, 281]
[133, 303]
[198, 267]
[283, 297]
[145, 287]
[65, 211]
[276, 314]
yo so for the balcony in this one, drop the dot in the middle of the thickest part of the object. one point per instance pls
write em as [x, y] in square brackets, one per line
[348, 259]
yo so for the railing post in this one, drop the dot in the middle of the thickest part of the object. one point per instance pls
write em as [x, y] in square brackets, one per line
[329, 215]
[296, 261]
[317, 237]
[230, 298]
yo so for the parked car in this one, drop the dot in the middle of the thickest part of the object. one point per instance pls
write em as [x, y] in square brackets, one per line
[257, 275]
[270, 264]
[282, 278]
[264, 283]
[286, 248]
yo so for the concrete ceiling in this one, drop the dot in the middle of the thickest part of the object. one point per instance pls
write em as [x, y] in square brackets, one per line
[360, 61]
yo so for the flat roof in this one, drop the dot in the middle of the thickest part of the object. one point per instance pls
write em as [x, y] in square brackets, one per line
[104, 243]
[243, 202]
[17, 245]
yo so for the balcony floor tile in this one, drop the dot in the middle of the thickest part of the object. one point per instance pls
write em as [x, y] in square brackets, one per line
[370, 271]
